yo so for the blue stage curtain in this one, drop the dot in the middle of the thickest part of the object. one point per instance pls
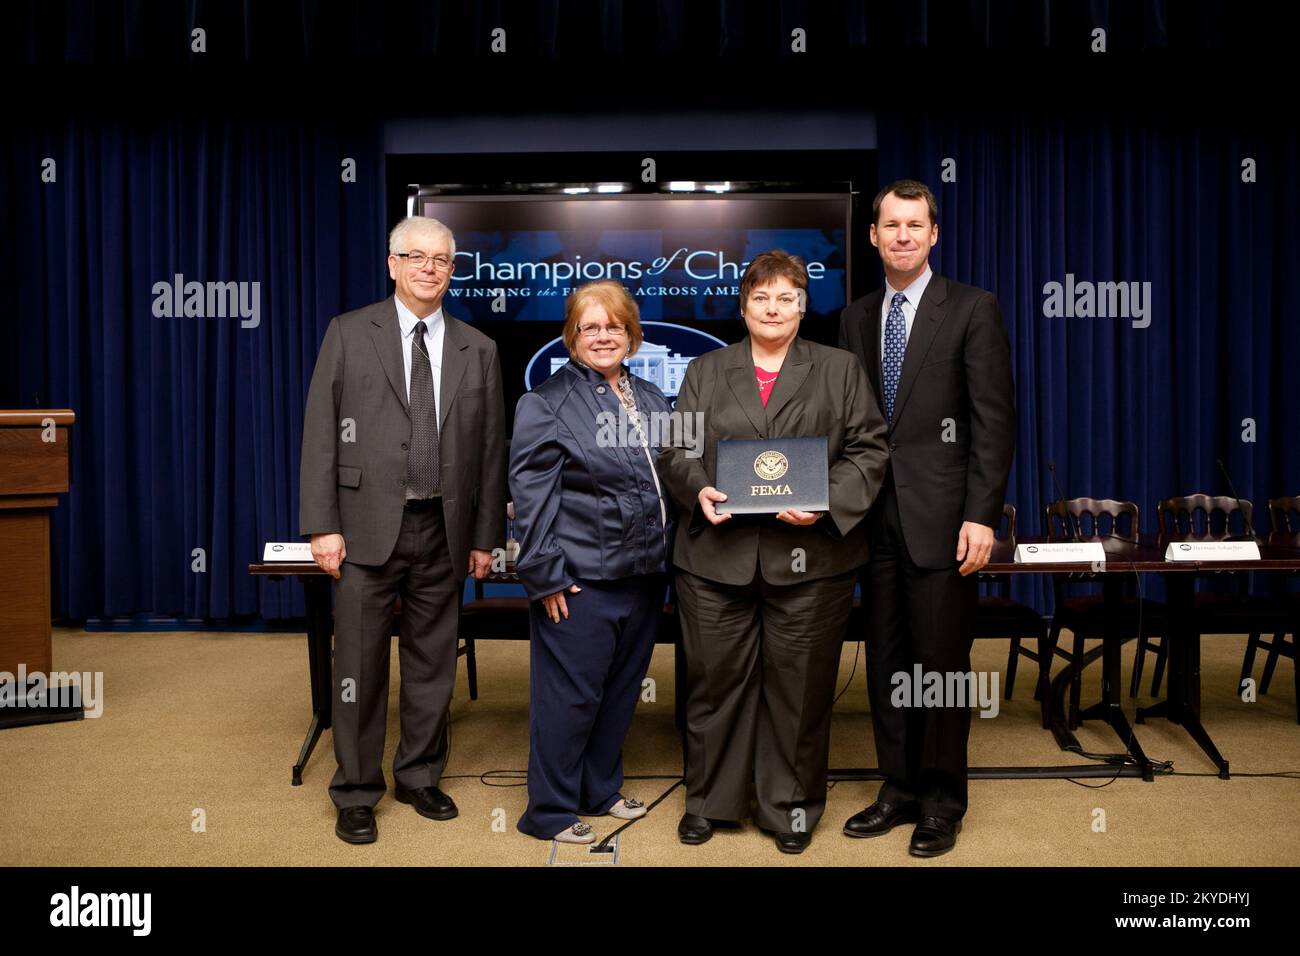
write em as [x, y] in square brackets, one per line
[1131, 413]
[188, 429]
[116, 32]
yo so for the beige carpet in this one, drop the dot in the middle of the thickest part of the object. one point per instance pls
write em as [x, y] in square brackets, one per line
[213, 721]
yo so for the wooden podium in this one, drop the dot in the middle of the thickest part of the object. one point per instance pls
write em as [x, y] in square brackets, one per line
[34, 446]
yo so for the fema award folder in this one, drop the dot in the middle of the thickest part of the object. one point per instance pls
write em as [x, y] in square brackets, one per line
[768, 475]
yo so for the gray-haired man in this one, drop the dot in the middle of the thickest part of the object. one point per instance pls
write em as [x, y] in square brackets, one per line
[403, 489]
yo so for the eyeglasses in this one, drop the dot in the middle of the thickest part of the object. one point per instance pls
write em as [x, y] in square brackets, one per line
[418, 259]
[592, 331]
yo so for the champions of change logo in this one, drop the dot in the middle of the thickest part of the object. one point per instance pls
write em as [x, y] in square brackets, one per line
[700, 265]
[661, 359]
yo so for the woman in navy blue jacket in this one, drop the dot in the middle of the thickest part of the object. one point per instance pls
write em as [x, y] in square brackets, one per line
[595, 533]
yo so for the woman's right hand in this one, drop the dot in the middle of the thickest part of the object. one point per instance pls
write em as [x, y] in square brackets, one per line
[555, 606]
[707, 497]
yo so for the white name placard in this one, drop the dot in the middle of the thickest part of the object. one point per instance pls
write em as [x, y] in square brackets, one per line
[287, 551]
[1061, 552]
[1212, 551]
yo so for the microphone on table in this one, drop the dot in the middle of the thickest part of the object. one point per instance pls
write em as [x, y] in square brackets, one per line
[1076, 528]
[1071, 519]
[1249, 534]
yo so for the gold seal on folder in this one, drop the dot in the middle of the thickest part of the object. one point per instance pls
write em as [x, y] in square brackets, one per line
[770, 465]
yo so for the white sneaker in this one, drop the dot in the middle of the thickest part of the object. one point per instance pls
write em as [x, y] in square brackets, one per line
[629, 808]
[578, 833]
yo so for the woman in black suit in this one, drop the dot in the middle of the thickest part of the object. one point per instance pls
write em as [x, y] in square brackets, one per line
[764, 600]
[595, 530]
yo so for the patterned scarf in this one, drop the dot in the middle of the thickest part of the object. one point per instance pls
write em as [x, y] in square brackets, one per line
[628, 397]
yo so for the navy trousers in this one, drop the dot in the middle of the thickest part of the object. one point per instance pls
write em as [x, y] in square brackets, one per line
[585, 681]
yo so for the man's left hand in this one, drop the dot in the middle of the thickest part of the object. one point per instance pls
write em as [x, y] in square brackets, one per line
[974, 546]
[480, 563]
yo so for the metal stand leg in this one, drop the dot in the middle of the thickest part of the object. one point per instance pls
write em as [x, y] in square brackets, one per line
[320, 660]
[1109, 708]
[1182, 705]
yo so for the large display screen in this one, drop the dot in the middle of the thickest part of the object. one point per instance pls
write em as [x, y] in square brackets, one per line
[681, 257]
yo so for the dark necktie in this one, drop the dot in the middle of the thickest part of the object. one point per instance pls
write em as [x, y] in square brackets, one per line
[891, 360]
[422, 455]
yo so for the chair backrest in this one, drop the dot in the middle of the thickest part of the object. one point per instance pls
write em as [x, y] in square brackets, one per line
[1203, 516]
[1092, 518]
[1006, 529]
[1284, 515]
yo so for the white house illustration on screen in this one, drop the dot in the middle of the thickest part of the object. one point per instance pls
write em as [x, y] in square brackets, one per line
[654, 363]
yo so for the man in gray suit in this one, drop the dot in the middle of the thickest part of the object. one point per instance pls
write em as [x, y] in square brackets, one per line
[403, 490]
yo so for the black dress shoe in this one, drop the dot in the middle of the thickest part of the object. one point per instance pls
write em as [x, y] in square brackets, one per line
[881, 818]
[356, 825]
[428, 802]
[792, 842]
[694, 829]
[934, 836]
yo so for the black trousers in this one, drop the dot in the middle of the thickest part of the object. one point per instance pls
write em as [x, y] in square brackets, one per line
[419, 570]
[761, 663]
[916, 616]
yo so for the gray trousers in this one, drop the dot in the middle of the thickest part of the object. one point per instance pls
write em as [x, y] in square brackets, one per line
[761, 663]
[420, 571]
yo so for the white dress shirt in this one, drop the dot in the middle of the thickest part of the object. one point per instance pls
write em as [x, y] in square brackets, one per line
[913, 293]
[433, 334]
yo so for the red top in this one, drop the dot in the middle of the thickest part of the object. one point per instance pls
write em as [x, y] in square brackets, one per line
[766, 381]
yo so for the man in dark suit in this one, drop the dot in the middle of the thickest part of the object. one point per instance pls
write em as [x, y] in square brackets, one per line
[403, 490]
[937, 355]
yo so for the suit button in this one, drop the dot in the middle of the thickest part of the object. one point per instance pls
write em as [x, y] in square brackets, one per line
[401, 481]
[893, 445]
[403, 446]
[645, 486]
[600, 389]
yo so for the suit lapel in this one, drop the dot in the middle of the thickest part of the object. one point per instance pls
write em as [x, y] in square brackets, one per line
[454, 347]
[740, 378]
[929, 316]
[794, 370]
[386, 334]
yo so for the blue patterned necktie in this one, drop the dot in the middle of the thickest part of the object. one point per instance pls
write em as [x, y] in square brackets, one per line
[891, 361]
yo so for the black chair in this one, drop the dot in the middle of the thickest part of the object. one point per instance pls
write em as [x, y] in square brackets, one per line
[1284, 520]
[1207, 518]
[999, 617]
[1091, 519]
[491, 618]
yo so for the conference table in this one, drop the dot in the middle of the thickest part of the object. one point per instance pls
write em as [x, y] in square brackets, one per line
[1182, 703]
[320, 633]
[1280, 553]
